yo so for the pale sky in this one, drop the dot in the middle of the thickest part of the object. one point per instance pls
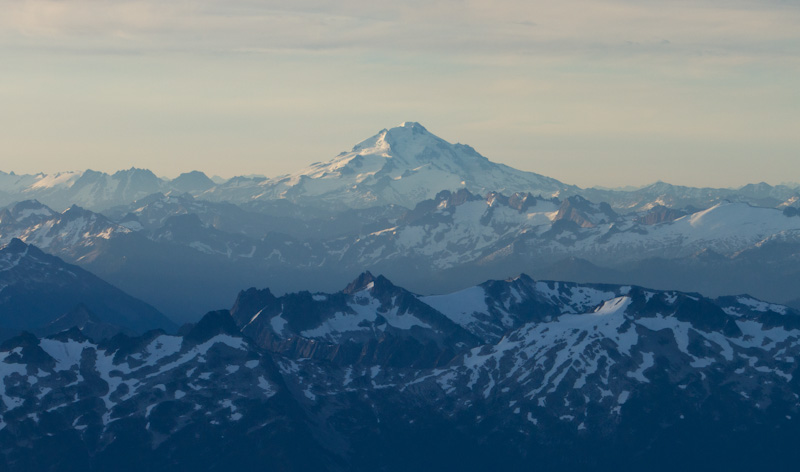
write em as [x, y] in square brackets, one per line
[611, 93]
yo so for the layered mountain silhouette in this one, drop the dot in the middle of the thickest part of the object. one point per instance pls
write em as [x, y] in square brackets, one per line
[40, 292]
[186, 256]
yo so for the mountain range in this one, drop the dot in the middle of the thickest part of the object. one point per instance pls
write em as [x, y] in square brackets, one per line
[187, 256]
[513, 373]
[402, 166]
[657, 328]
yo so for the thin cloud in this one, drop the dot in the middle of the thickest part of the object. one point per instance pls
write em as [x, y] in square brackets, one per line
[447, 27]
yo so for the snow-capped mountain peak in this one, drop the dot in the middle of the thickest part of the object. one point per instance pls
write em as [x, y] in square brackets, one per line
[408, 132]
[402, 165]
[404, 141]
[413, 125]
[391, 152]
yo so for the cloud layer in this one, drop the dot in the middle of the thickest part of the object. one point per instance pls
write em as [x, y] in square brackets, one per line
[743, 28]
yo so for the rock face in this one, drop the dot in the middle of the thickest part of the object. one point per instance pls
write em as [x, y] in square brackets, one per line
[545, 375]
[370, 321]
[37, 289]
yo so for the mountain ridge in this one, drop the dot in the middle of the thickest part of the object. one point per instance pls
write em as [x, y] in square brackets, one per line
[454, 240]
[402, 165]
[38, 289]
[606, 378]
